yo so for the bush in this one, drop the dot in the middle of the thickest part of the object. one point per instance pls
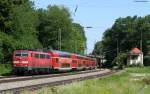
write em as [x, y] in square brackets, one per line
[120, 60]
[147, 61]
[5, 69]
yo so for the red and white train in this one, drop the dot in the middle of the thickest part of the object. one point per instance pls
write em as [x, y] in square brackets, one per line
[28, 61]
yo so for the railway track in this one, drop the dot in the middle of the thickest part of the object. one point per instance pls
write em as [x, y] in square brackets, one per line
[52, 81]
[23, 78]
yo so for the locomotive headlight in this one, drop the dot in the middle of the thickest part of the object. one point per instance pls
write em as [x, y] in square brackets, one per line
[15, 62]
[24, 62]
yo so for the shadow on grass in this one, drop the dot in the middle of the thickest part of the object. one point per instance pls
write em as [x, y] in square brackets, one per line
[146, 81]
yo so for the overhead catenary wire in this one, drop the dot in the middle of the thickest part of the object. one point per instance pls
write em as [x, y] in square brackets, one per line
[107, 4]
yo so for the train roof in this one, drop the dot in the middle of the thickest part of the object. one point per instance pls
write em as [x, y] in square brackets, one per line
[62, 53]
[39, 50]
[80, 55]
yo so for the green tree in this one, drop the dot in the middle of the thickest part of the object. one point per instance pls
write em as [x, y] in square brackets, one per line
[78, 35]
[55, 23]
[24, 27]
[125, 34]
[6, 11]
[51, 23]
[17, 27]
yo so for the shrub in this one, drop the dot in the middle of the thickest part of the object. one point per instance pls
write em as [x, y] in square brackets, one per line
[5, 69]
[120, 60]
[147, 61]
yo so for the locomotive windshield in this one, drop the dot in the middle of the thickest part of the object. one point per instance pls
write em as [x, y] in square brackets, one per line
[24, 54]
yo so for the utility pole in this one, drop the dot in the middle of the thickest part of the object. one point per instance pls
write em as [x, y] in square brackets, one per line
[141, 1]
[117, 48]
[59, 39]
[94, 49]
[141, 42]
[75, 44]
[85, 49]
[1, 47]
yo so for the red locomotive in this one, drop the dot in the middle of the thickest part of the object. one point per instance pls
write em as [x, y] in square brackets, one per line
[28, 61]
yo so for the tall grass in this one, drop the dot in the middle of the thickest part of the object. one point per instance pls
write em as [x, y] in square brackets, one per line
[117, 84]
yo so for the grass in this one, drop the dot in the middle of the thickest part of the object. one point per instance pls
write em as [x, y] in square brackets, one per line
[5, 69]
[138, 70]
[120, 83]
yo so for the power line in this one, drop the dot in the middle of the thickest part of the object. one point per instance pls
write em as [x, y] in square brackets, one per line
[141, 1]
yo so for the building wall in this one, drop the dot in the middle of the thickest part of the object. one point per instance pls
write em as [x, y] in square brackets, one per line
[135, 59]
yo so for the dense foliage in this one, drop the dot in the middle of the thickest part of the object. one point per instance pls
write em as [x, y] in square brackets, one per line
[55, 23]
[5, 69]
[24, 27]
[147, 60]
[125, 34]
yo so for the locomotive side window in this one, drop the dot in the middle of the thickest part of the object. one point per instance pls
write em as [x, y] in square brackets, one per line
[24, 54]
[36, 56]
[42, 55]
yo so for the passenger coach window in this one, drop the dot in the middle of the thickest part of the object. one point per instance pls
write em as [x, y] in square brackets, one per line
[47, 56]
[74, 61]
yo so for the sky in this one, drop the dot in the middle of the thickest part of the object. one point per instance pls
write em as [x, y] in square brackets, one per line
[98, 14]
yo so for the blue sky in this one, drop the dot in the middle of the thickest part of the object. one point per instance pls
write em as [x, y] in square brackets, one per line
[99, 14]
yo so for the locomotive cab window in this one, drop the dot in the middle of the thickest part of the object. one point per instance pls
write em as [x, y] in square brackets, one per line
[23, 54]
[18, 54]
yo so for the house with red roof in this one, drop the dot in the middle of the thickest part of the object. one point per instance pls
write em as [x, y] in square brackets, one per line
[135, 57]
